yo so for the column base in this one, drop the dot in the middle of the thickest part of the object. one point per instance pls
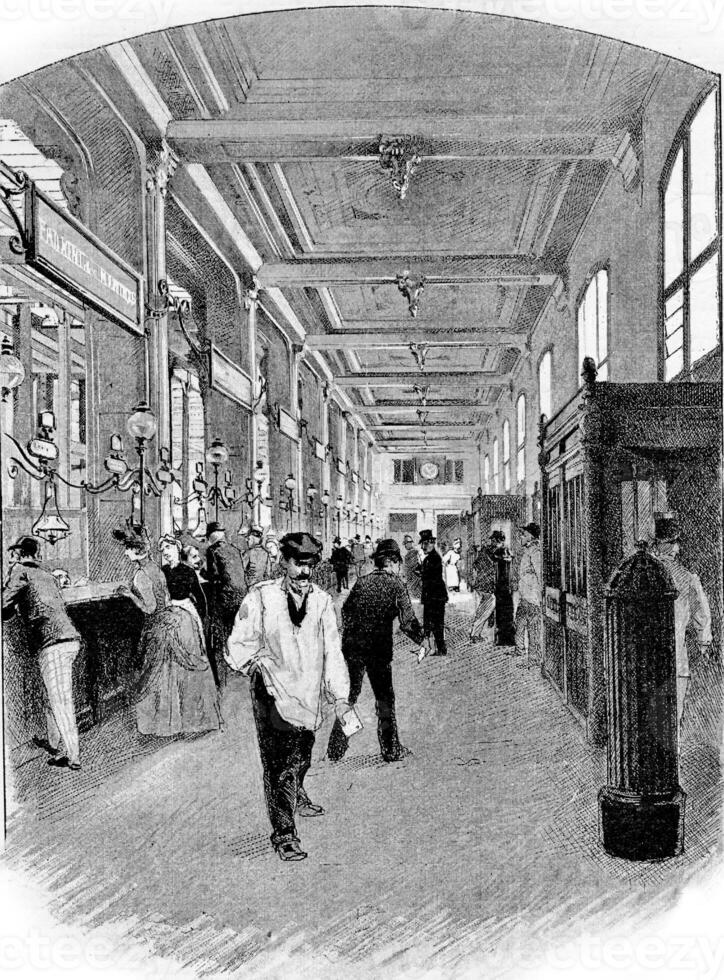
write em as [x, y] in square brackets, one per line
[641, 828]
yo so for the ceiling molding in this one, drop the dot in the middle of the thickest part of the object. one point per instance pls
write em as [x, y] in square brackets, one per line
[212, 82]
[129, 65]
[352, 270]
[402, 339]
[407, 380]
[443, 136]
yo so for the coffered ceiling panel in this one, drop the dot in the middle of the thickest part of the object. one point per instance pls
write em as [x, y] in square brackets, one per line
[453, 206]
[473, 303]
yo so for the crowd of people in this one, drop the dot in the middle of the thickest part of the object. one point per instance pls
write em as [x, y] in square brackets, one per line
[261, 612]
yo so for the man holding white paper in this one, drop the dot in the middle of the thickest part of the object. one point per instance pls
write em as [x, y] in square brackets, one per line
[285, 638]
[368, 615]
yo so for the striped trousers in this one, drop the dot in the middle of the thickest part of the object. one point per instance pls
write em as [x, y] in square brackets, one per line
[56, 669]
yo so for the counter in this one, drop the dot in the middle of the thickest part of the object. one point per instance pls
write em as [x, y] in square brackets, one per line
[110, 626]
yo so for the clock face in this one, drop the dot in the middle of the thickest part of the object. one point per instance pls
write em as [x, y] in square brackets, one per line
[429, 471]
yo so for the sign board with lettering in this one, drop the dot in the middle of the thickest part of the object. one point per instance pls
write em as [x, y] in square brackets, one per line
[288, 425]
[229, 379]
[62, 249]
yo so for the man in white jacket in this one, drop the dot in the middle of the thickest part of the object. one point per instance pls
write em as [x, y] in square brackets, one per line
[285, 638]
[691, 607]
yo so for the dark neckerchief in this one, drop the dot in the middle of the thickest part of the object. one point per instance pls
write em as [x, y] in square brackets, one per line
[297, 614]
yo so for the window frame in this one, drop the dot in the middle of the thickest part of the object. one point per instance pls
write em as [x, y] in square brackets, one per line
[593, 275]
[690, 265]
[520, 443]
[506, 456]
[548, 352]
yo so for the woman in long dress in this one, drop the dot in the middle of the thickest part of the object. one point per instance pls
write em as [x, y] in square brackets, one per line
[450, 562]
[175, 692]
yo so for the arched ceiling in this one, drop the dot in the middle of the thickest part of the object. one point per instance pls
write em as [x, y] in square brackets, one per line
[516, 125]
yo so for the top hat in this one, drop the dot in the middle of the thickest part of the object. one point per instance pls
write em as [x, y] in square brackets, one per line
[666, 528]
[532, 528]
[387, 548]
[26, 545]
[213, 526]
[337, 541]
[300, 546]
[426, 535]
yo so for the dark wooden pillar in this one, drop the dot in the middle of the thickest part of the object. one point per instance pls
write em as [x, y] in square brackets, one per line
[641, 810]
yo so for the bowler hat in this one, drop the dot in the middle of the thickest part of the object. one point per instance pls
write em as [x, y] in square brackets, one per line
[387, 548]
[26, 545]
[497, 536]
[213, 526]
[300, 546]
[426, 535]
[532, 528]
[256, 530]
[408, 537]
[666, 528]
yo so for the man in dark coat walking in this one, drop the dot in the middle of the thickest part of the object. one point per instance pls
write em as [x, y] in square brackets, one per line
[368, 615]
[434, 593]
[341, 559]
[227, 587]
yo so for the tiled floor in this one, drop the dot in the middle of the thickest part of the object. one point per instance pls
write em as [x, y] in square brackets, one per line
[484, 840]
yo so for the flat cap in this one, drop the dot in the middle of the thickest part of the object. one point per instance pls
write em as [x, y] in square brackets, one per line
[300, 546]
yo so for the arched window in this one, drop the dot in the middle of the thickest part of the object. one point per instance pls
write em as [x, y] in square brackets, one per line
[486, 473]
[187, 443]
[496, 465]
[593, 323]
[691, 238]
[506, 456]
[520, 438]
[544, 384]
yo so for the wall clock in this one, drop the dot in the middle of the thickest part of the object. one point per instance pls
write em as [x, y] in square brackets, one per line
[429, 471]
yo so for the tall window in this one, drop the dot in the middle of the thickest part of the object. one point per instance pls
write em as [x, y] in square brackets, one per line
[520, 438]
[404, 471]
[187, 443]
[486, 473]
[593, 323]
[691, 232]
[496, 467]
[544, 384]
[506, 456]
[454, 471]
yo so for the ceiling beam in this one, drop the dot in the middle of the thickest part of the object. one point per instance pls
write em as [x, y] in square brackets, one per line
[407, 380]
[395, 426]
[403, 338]
[352, 270]
[442, 136]
[434, 410]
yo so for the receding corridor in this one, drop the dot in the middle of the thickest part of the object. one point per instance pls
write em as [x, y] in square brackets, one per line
[481, 845]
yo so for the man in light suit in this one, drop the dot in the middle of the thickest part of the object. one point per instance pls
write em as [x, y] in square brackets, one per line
[691, 607]
[285, 639]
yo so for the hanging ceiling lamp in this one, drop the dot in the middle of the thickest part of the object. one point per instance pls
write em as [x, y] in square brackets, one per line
[50, 526]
